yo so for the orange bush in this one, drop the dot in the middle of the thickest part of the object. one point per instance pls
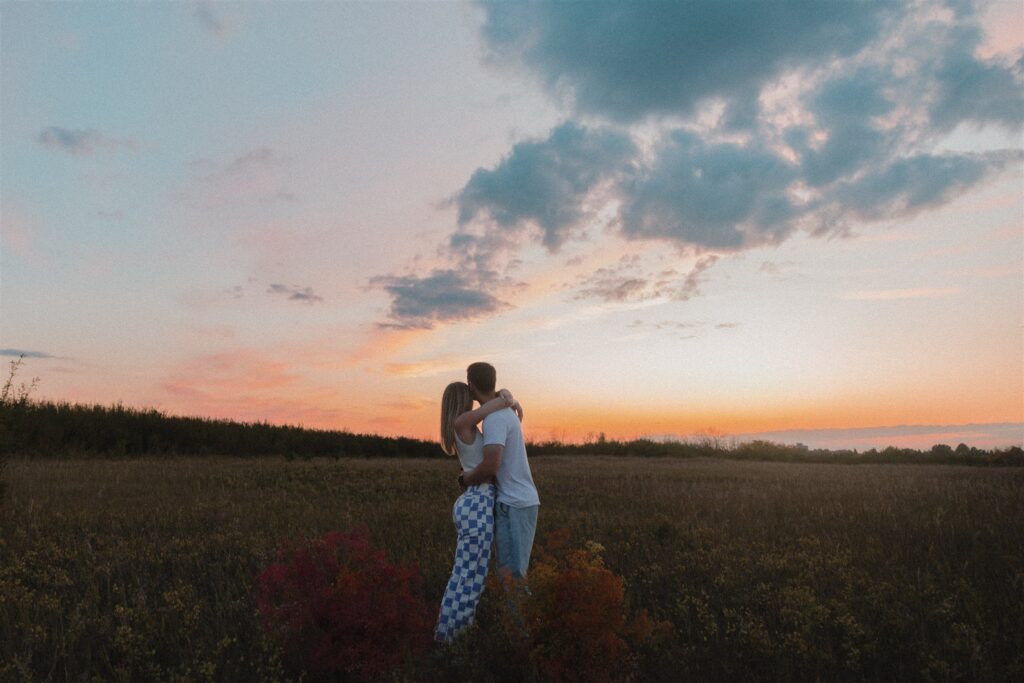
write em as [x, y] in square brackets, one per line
[572, 621]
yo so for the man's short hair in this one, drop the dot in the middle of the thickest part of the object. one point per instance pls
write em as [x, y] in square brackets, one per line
[482, 376]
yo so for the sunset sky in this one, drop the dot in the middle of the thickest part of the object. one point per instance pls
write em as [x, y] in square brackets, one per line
[654, 219]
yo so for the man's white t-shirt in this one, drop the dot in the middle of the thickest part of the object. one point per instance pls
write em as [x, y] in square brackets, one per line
[515, 482]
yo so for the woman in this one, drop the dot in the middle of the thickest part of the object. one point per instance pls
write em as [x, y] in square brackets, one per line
[473, 512]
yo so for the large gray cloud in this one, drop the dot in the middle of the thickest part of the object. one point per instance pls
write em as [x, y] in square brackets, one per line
[626, 60]
[844, 107]
[724, 195]
[908, 185]
[878, 86]
[969, 89]
[544, 182]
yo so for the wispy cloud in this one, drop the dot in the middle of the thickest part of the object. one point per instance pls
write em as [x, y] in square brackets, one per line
[81, 142]
[27, 353]
[257, 174]
[254, 384]
[625, 281]
[778, 269]
[427, 368]
[294, 292]
[210, 19]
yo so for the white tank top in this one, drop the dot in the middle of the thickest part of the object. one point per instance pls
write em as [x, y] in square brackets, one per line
[472, 454]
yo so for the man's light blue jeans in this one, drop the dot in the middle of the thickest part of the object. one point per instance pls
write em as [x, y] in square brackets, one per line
[514, 529]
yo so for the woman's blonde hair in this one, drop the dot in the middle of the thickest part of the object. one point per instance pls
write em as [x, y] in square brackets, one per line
[454, 402]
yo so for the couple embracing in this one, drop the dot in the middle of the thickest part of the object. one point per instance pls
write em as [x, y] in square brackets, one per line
[499, 501]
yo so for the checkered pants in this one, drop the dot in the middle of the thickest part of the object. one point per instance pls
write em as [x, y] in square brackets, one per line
[473, 514]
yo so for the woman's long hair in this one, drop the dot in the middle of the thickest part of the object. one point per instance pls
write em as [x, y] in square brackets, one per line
[454, 402]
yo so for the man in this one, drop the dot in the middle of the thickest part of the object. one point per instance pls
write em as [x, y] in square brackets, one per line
[517, 503]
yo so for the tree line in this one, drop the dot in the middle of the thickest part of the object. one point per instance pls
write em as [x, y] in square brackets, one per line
[57, 429]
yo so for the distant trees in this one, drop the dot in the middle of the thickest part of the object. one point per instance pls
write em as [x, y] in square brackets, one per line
[57, 429]
[50, 429]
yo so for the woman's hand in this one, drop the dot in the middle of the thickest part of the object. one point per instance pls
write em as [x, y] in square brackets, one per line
[511, 402]
[503, 400]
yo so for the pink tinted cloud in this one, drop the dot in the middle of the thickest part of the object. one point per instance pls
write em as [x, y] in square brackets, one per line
[427, 367]
[1003, 22]
[255, 175]
[247, 384]
[256, 385]
[227, 373]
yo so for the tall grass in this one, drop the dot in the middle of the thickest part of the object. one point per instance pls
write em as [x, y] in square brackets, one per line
[142, 569]
[14, 402]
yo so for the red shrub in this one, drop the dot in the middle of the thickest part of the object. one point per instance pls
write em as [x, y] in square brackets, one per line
[337, 606]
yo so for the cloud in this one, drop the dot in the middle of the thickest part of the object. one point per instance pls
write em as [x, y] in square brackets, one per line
[844, 108]
[714, 128]
[27, 354]
[779, 269]
[538, 191]
[624, 282]
[969, 89]
[691, 285]
[606, 285]
[717, 195]
[428, 367]
[907, 185]
[210, 19]
[251, 384]
[294, 293]
[626, 61]
[442, 296]
[543, 183]
[80, 142]
[258, 157]
[257, 174]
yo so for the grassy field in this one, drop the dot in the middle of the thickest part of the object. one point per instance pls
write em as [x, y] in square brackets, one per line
[141, 569]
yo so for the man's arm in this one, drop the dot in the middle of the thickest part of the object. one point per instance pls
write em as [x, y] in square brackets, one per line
[483, 472]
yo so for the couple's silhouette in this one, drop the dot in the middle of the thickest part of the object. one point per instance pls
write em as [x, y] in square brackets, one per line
[499, 502]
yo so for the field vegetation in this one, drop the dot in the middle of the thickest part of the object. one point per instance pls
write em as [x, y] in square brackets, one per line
[145, 568]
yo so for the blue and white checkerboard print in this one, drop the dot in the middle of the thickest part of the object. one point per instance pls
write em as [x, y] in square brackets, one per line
[473, 514]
